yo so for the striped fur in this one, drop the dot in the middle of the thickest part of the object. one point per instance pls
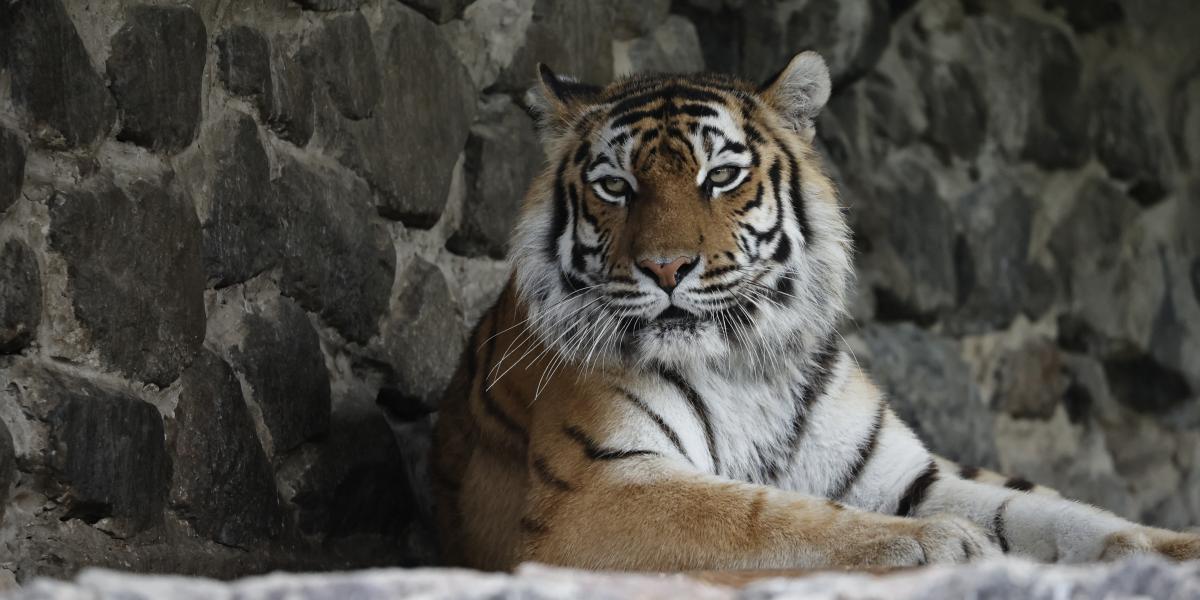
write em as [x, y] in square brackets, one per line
[601, 418]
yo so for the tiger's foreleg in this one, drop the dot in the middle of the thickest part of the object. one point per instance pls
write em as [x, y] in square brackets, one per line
[602, 507]
[1050, 528]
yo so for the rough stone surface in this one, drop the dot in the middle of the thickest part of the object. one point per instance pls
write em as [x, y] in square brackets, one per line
[636, 18]
[280, 361]
[156, 63]
[134, 274]
[244, 60]
[1136, 577]
[348, 65]
[1019, 178]
[20, 296]
[12, 168]
[1031, 73]
[501, 158]
[408, 149]
[109, 450]
[424, 310]
[54, 83]
[672, 47]
[222, 482]
[992, 254]
[1129, 140]
[231, 182]
[573, 38]
[439, 11]
[915, 272]
[956, 112]
[8, 467]
[337, 260]
[930, 387]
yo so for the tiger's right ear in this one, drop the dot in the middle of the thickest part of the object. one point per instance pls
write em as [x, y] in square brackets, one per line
[554, 99]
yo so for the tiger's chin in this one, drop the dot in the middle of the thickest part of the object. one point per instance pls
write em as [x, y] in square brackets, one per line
[678, 341]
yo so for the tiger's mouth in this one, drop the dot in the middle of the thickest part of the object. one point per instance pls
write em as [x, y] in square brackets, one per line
[674, 318]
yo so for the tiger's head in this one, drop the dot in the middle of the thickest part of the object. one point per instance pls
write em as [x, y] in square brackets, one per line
[682, 219]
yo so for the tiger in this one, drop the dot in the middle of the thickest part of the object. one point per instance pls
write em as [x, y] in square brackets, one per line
[661, 385]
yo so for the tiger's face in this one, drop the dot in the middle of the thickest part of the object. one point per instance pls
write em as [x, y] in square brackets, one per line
[681, 220]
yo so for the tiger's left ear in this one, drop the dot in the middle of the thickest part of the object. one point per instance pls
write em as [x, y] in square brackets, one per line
[800, 91]
[553, 99]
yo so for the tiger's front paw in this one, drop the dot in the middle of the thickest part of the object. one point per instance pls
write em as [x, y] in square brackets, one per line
[1144, 540]
[941, 539]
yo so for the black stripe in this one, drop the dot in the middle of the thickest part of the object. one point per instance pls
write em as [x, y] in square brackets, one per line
[1019, 484]
[915, 494]
[559, 222]
[968, 472]
[596, 452]
[542, 470]
[797, 197]
[658, 420]
[865, 450]
[701, 410]
[581, 153]
[442, 478]
[805, 399]
[998, 526]
[533, 526]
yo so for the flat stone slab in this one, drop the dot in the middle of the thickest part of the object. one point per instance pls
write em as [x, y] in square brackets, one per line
[1006, 578]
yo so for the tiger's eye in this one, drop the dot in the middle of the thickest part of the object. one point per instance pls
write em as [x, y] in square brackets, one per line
[615, 186]
[722, 175]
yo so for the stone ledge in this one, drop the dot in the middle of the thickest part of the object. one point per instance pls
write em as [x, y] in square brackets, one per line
[1008, 578]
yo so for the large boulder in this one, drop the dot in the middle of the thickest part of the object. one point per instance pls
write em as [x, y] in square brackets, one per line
[156, 65]
[63, 99]
[222, 482]
[20, 296]
[133, 273]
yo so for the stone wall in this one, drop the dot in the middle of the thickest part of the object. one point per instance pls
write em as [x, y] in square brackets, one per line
[241, 244]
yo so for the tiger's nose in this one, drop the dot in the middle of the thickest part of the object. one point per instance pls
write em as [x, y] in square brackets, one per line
[666, 271]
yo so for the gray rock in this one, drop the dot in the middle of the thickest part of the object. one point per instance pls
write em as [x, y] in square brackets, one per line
[20, 296]
[992, 255]
[338, 261]
[156, 65]
[134, 274]
[329, 5]
[502, 156]
[280, 360]
[348, 66]
[911, 269]
[280, 86]
[573, 38]
[672, 47]
[1128, 136]
[356, 484]
[1185, 121]
[63, 99]
[439, 11]
[1196, 278]
[12, 168]
[1084, 239]
[408, 149]
[222, 483]
[109, 452]
[1086, 16]
[8, 467]
[930, 387]
[636, 18]
[242, 235]
[851, 35]
[424, 335]
[1030, 380]
[244, 60]
[956, 112]
[287, 104]
[1030, 73]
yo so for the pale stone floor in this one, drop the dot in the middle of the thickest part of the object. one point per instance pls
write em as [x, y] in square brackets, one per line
[1138, 577]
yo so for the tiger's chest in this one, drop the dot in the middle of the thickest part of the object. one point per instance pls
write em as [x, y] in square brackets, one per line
[742, 430]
